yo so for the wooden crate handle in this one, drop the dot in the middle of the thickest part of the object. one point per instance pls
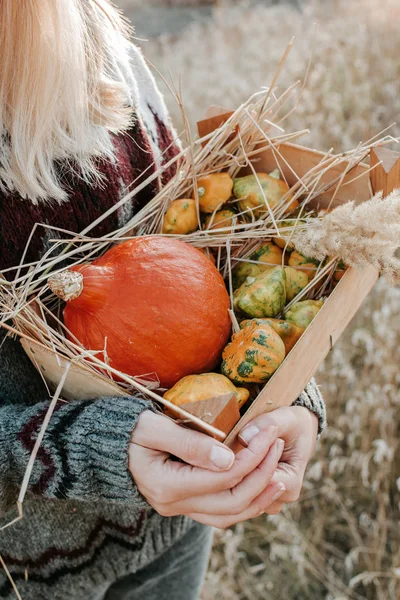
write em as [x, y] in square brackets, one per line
[215, 117]
[385, 176]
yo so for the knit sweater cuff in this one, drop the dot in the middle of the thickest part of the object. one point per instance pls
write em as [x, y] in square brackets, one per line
[83, 454]
[98, 451]
[311, 399]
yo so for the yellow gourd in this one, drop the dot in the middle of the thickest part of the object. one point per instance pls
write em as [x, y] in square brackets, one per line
[181, 217]
[302, 313]
[296, 281]
[213, 191]
[267, 253]
[221, 219]
[281, 243]
[194, 388]
[242, 272]
[286, 225]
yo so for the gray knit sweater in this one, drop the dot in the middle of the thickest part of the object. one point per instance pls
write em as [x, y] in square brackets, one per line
[85, 524]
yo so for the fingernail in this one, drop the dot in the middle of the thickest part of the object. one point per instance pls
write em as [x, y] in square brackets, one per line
[281, 488]
[248, 433]
[222, 457]
[280, 444]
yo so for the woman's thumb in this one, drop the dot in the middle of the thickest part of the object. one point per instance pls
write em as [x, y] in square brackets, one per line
[198, 449]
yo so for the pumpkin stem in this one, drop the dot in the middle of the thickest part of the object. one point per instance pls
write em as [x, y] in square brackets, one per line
[275, 174]
[67, 285]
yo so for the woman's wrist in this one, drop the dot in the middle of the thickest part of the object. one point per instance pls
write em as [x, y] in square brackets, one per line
[312, 400]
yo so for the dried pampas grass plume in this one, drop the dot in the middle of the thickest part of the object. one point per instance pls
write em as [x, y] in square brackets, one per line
[367, 233]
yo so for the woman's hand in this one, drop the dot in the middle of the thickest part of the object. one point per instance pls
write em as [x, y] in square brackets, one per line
[298, 427]
[211, 486]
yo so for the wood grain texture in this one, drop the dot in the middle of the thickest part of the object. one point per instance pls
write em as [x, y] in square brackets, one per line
[386, 175]
[216, 116]
[80, 384]
[221, 412]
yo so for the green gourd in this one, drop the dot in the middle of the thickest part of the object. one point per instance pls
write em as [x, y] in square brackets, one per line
[296, 281]
[263, 295]
[302, 313]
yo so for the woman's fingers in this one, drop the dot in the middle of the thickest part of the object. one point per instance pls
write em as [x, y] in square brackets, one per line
[253, 483]
[192, 481]
[292, 479]
[157, 432]
[238, 499]
[275, 508]
[259, 506]
[163, 481]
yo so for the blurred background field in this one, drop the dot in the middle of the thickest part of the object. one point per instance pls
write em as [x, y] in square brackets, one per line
[342, 539]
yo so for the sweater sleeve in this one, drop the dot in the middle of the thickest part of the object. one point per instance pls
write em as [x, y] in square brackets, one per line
[311, 399]
[84, 453]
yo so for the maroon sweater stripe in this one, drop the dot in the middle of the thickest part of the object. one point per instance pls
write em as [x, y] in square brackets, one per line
[27, 437]
[134, 161]
[53, 553]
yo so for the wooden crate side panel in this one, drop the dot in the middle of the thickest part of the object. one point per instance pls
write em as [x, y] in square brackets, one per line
[80, 384]
[213, 121]
[302, 160]
[386, 175]
[297, 369]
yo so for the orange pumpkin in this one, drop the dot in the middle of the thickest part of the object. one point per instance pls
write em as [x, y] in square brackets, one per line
[155, 304]
[207, 252]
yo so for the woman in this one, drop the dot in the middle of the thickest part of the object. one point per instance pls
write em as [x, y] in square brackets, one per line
[109, 515]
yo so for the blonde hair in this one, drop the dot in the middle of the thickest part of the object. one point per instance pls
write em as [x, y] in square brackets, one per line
[62, 91]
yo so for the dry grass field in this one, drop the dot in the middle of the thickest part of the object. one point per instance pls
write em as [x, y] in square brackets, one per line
[342, 539]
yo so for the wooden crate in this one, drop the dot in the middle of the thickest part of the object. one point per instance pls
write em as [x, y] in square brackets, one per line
[359, 185]
[220, 416]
